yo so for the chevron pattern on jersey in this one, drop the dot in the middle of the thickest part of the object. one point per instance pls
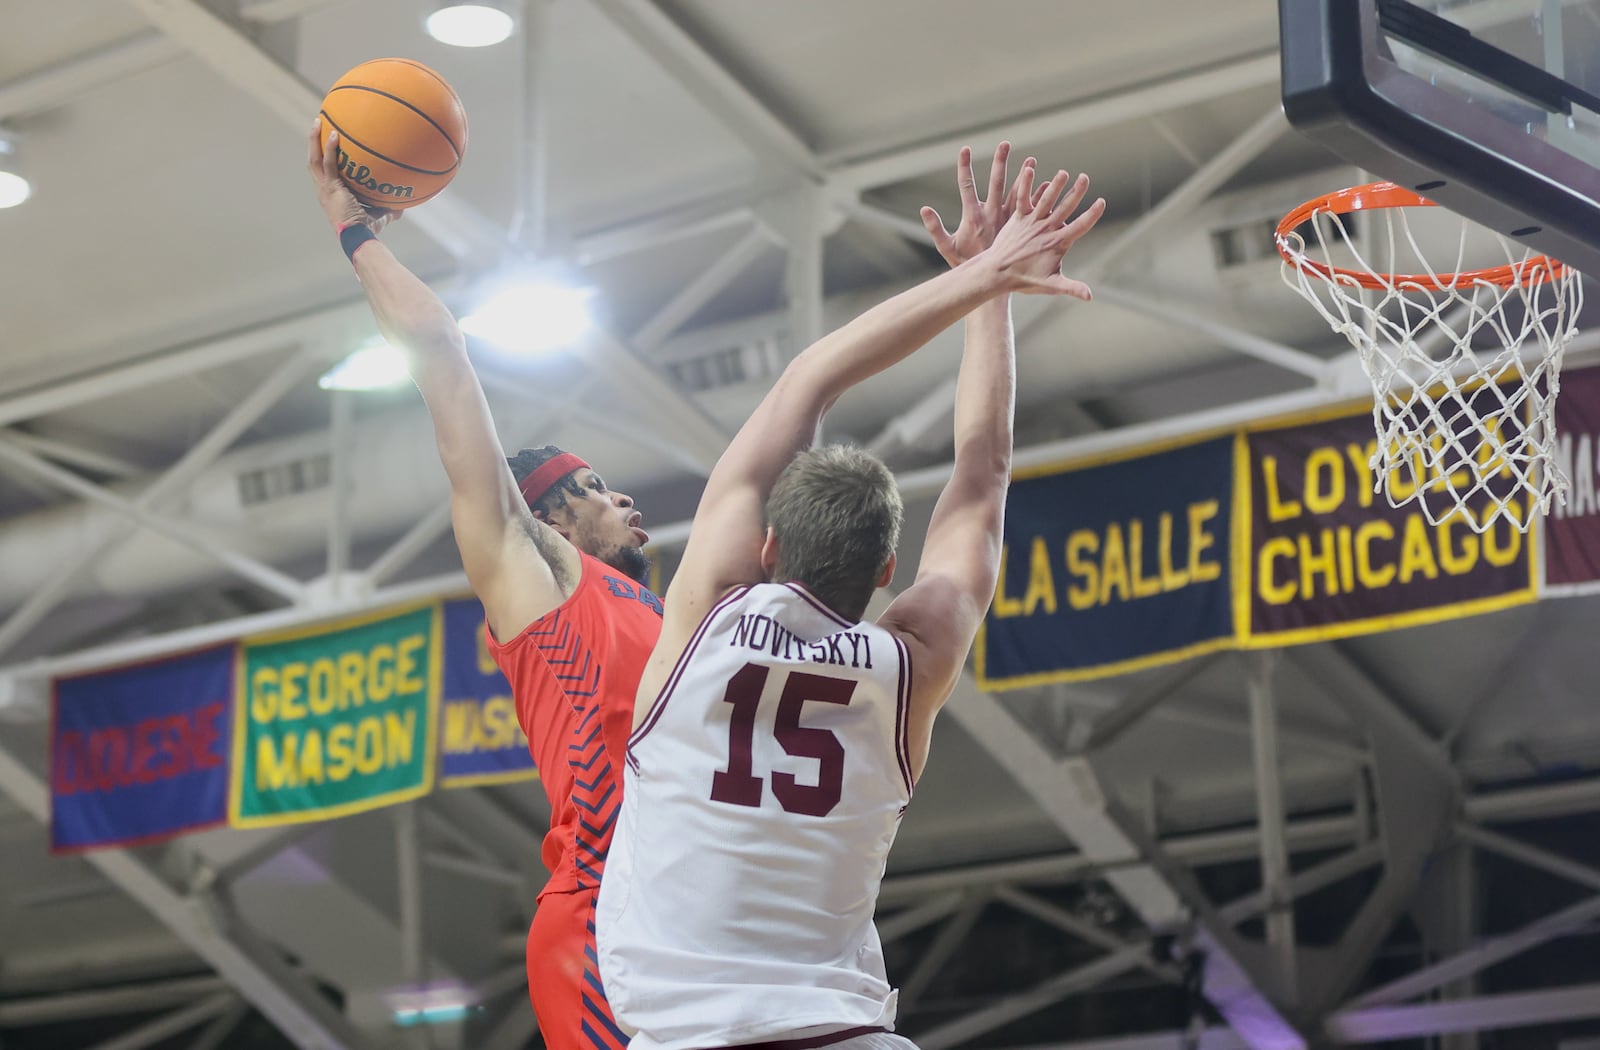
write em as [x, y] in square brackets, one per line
[595, 790]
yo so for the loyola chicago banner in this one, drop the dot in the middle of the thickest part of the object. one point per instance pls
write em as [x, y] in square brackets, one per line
[481, 741]
[1113, 567]
[335, 720]
[138, 754]
[1328, 557]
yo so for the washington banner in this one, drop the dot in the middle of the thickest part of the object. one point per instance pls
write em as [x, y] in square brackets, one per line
[481, 741]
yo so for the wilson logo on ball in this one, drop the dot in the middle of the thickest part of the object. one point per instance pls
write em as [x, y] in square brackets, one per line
[361, 175]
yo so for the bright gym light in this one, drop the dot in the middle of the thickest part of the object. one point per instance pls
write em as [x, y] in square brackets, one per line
[532, 317]
[14, 188]
[372, 367]
[476, 24]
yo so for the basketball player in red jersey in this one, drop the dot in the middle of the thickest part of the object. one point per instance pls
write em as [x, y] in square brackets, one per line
[778, 735]
[557, 560]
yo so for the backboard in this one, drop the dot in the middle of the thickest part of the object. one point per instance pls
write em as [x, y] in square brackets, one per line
[1491, 108]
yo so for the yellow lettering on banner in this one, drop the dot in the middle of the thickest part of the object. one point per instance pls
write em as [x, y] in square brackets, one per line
[1322, 562]
[273, 771]
[399, 736]
[1361, 463]
[1347, 573]
[1142, 587]
[1503, 554]
[311, 758]
[1277, 509]
[1201, 540]
[290, 692]
[470, 726]
[1416, 553]
[408, 681]
[322, 686]
[341, 758]
[486, 664]
[1272, 592]
[369, 746]
[1324, 480]
[1041, 582]
[1171, 579]
[1457, 563]
[352, 678]
[1081, 544]
[1372, 579]
[380, 673]
[1113, 565]
[264, 694]
[1005, 606]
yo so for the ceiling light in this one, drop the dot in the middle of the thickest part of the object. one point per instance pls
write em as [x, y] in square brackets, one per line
[476, 24]
[14, 188]
[532, 317]
[373, 367]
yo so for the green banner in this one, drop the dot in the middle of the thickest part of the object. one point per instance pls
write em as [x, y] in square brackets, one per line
[335, 720]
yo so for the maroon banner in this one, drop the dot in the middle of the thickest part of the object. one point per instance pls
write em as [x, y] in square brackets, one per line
[1328, 556]
[1572, 529]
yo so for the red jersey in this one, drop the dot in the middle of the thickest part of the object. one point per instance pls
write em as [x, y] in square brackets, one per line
[573, 675]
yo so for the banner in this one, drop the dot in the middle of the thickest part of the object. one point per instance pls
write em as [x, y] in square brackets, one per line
[481, 742]
[335, 720]
[138, 754]
[1328, 557]
[1112, 568]
[1572, 530]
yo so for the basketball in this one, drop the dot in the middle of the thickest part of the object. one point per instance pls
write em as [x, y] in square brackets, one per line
[402, 131]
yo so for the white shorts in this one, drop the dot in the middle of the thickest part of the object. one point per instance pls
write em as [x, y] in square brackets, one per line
[875, 1041]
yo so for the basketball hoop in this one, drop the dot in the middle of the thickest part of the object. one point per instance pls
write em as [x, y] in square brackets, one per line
[1465, 363]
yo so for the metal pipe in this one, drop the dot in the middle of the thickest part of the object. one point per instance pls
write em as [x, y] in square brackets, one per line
[1270, 815]
[152, 1032]
[340, 412]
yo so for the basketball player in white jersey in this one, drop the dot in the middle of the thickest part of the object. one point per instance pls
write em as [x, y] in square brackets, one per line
[778, 735]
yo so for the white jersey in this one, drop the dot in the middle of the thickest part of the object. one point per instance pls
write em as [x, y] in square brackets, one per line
[762, 793]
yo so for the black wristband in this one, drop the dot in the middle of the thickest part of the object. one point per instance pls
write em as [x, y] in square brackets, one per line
[354, 236]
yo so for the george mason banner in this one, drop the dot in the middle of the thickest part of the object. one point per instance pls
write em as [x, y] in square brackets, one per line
[481, 741]
[1328, 557]
[335, 720]
[140, 753]
[1113, 567]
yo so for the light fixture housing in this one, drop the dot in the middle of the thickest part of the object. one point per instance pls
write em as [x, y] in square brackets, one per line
[14, 186]
[374, 366]
[532, 315]
[471, 23]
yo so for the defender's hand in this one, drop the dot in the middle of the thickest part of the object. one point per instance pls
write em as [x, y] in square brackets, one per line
[1028, 250]
[338, 203]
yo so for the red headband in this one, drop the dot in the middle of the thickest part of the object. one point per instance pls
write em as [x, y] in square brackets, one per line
[542, 480]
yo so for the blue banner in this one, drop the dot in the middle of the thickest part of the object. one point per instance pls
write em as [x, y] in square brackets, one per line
[141, 753]
[480, 741]
[1113, 567]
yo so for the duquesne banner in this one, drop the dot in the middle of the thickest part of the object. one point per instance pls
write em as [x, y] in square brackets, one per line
[482, 741]
[1112, 567]
[141, 753]
[335, 720]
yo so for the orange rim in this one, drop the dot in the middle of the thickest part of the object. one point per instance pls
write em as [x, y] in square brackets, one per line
[1538, 269]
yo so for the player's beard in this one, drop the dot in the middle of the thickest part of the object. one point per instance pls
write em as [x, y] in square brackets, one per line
[632, 561]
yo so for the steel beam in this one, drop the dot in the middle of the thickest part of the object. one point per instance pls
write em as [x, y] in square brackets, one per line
[731, 102]
[1063, 920]
[944, 947]
[1533, 856]
[1270, 815]
[408, 874]
[75, 455]
[514, 1030]
[192, 463]
[474, 869]
[909, 920]
[106, 1002]
[341, 410]
[530, 223]
[1485, 1013]
[703, 287]
[61, 83]
[1190, 317]
[298, 1011]
[211, 1036]
[1110, 726]
[154, 1031]
[259, 573]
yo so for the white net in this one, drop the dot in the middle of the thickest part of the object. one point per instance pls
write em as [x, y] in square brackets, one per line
[1465, 364]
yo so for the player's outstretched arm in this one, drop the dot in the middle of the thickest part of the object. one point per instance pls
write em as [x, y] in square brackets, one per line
[725, 542]
[492, 522]
[939, 614]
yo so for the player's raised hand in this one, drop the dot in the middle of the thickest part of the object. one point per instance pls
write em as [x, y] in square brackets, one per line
[338, 203]
[1028, 250]
[980, 220]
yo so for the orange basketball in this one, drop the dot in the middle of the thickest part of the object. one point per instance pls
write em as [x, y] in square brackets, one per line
[402, 131]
